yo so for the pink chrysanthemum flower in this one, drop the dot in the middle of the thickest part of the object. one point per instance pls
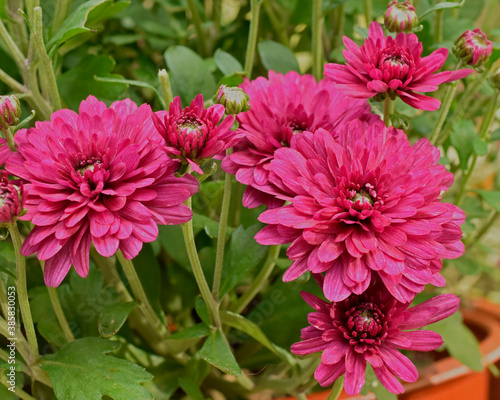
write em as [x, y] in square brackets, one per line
[384, 66]
[195, 133]
[364, 205]
[280, 107]
[100, 176]
[371, 327]
[12, 198]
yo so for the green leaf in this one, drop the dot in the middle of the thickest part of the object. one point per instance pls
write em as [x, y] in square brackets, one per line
[81, 370]
[492, 197]
[216, 352]
[78, 82]
[441, 6]
[480, 146]
[197, 331]
[7, 259]
[329, 5]
[112, 318]
[459, 341]
[88, 14]
[243, 254]
[210, 226]
[189, 75]
[241, 323]
[372, 384]
[277, 57]
[462, 138]
[6, 394]
[227, 64]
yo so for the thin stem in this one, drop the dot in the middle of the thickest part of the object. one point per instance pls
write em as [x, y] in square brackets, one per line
[301, 396]
[438, 27]
[16, 24]
[60, 14]
[165, 87]
[252, 36]
[19, 392]
[484, 131]
[463, 104]
[11, 82]
[221, 238]
[317, 48]
[11, 45]
[336, 389]
[338, 19]
[478, 234]
[187, 231]
[46, 69]
[22, 291]
[260, 280]
[10, 139]
[368, 12]
[388, 110]
[276, 23]
[21, 344]
[216, 13]
[198, 26]
[140, 295]
[443, 112]
[58, 310]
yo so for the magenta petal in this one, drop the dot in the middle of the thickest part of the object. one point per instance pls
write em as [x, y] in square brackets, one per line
[431, 311]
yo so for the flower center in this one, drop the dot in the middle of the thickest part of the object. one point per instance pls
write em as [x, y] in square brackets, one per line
[394, 61]
[363, 197]
[189, 126]
[89, 164]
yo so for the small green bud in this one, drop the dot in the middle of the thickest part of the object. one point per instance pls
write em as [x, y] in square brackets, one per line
[234, 99]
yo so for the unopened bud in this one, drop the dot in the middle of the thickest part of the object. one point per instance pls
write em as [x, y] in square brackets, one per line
[473, 48]
[400, 121]
[400, 17]
[234, 99]
[10, 111]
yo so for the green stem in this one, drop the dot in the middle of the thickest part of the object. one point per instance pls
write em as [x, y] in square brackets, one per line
[46, 69]
[198, 26]
[463, 103]
[11, 82]
[10, 139]
[388, 110]
[276, 23]
[21, 344]
[216, 13]
[368, 12]
[317, 47]
[221, 238]
[301, 396]
[19, 392]
[438, 25]
[16, 24]
[213, 309]
[484, 131]
[338, 19]
[443, 112]
[22, 291]
[58, 310]
[252, 36]
[478, 234]
[165, 87]
[11, 45]
[140, 295]
[336, 389]
[60, 14]
[260, 280]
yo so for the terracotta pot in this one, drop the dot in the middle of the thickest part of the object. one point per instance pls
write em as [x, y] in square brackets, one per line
[448, 379]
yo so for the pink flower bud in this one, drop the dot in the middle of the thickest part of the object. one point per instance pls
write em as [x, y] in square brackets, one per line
[400, 17]
[473, 48]
[11, 199]
[10, 111]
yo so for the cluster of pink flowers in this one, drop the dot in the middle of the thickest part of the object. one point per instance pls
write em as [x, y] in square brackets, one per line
[359, 205]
